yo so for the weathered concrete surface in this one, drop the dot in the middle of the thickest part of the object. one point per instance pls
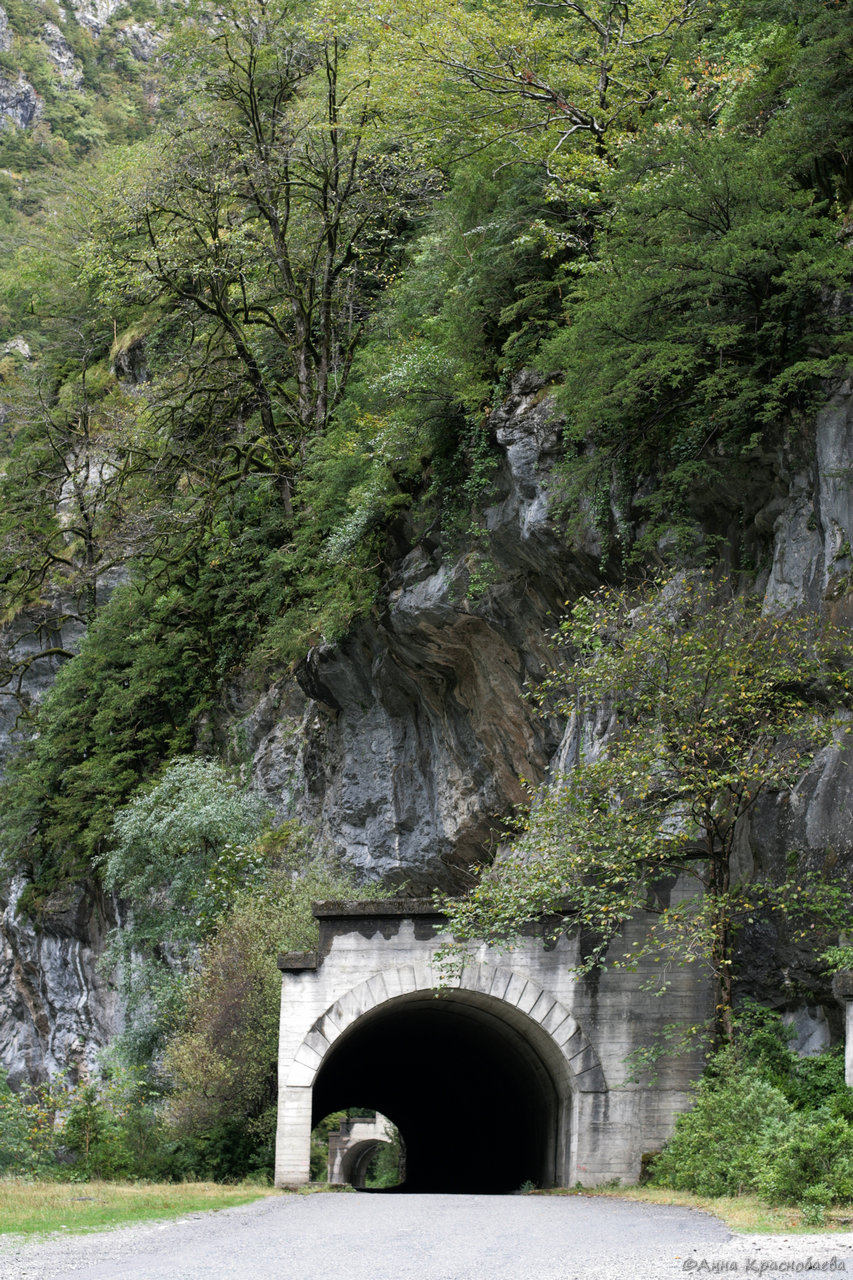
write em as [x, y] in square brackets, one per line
[378, 959]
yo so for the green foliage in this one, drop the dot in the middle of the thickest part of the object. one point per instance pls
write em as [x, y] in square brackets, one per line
[94, 1138]
[181, 849]
[766, 1121]
[680, 287]
[811, 105]
[670, 260]
[268, 211]
[564, 84]
[222, 1059]
[713, 703]
[479, 291]
[319, 1165]
[723, 1145]
[208, 1110]
[813, 1162]
[109, 1129]
[705, 323]
[333, 562]
[148, 669]
[181, 852]
[19, 1149]
[109, 100]
[413, 435]
[809, 1084]
[335, 277]
[385, 1167]
[64, 524]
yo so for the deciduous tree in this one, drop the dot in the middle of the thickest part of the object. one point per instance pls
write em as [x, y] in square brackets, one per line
[550, 75]
[267, 213]
[711, 704]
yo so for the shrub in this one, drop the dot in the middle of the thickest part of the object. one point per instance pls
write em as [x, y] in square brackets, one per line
[766, 1121]
[722, 1147]
[813, 1163]
[95, 1138]
[222, 1059]
[16, 1153]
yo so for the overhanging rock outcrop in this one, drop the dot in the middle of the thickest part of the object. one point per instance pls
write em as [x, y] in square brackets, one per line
[512, 1071]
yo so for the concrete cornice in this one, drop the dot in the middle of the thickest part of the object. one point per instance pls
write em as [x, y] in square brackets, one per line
[376, 907]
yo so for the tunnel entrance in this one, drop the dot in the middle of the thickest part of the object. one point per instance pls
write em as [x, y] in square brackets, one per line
[363, 1148]
[475, 1103]
[508, 1071]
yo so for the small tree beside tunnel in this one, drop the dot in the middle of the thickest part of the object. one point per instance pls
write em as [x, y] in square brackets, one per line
[712, 704]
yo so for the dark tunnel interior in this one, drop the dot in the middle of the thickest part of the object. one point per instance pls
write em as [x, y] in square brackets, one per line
[474, 1104]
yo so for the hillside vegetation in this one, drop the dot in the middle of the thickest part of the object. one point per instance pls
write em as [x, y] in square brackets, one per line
[263, 290]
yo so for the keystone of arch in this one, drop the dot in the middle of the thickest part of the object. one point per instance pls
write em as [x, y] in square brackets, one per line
[497, 983]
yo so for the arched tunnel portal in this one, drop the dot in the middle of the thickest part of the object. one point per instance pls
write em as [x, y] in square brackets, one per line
[478, 1093]
[514, 1070]
[354, 1168]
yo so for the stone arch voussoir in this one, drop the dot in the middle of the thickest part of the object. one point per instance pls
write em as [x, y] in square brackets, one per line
[496, 982]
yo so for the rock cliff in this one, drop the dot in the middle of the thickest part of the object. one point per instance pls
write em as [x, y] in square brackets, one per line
[406, 746]
[19, 101]
[22, 103]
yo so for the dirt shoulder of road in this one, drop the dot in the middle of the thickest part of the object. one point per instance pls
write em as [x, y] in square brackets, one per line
[744, 1214]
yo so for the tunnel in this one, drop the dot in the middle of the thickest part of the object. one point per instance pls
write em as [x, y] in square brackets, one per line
[465, 1082]
[355, 1167]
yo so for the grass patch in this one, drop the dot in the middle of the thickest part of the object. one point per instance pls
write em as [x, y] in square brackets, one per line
[748, 1214]
[29, 1208]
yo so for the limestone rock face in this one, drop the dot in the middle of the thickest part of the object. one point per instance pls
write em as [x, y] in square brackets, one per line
[95, 14]
[142, 39]
[130, 364]
[813, 521]
[29, 635]
[19, 101]
[812, 564]
[406, 745]
[61, 55]
[56, 1009]
[18, 346]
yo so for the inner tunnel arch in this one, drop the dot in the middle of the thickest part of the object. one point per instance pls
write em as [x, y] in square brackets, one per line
[482, 1094]
[354, 1166]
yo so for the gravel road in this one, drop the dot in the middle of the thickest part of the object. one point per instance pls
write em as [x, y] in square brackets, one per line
[333, 1236]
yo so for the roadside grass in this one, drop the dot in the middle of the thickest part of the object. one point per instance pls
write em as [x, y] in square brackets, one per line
[28, 1208]
[748, 1214]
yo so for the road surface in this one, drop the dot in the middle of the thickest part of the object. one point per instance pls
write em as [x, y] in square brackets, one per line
[346, 1236]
